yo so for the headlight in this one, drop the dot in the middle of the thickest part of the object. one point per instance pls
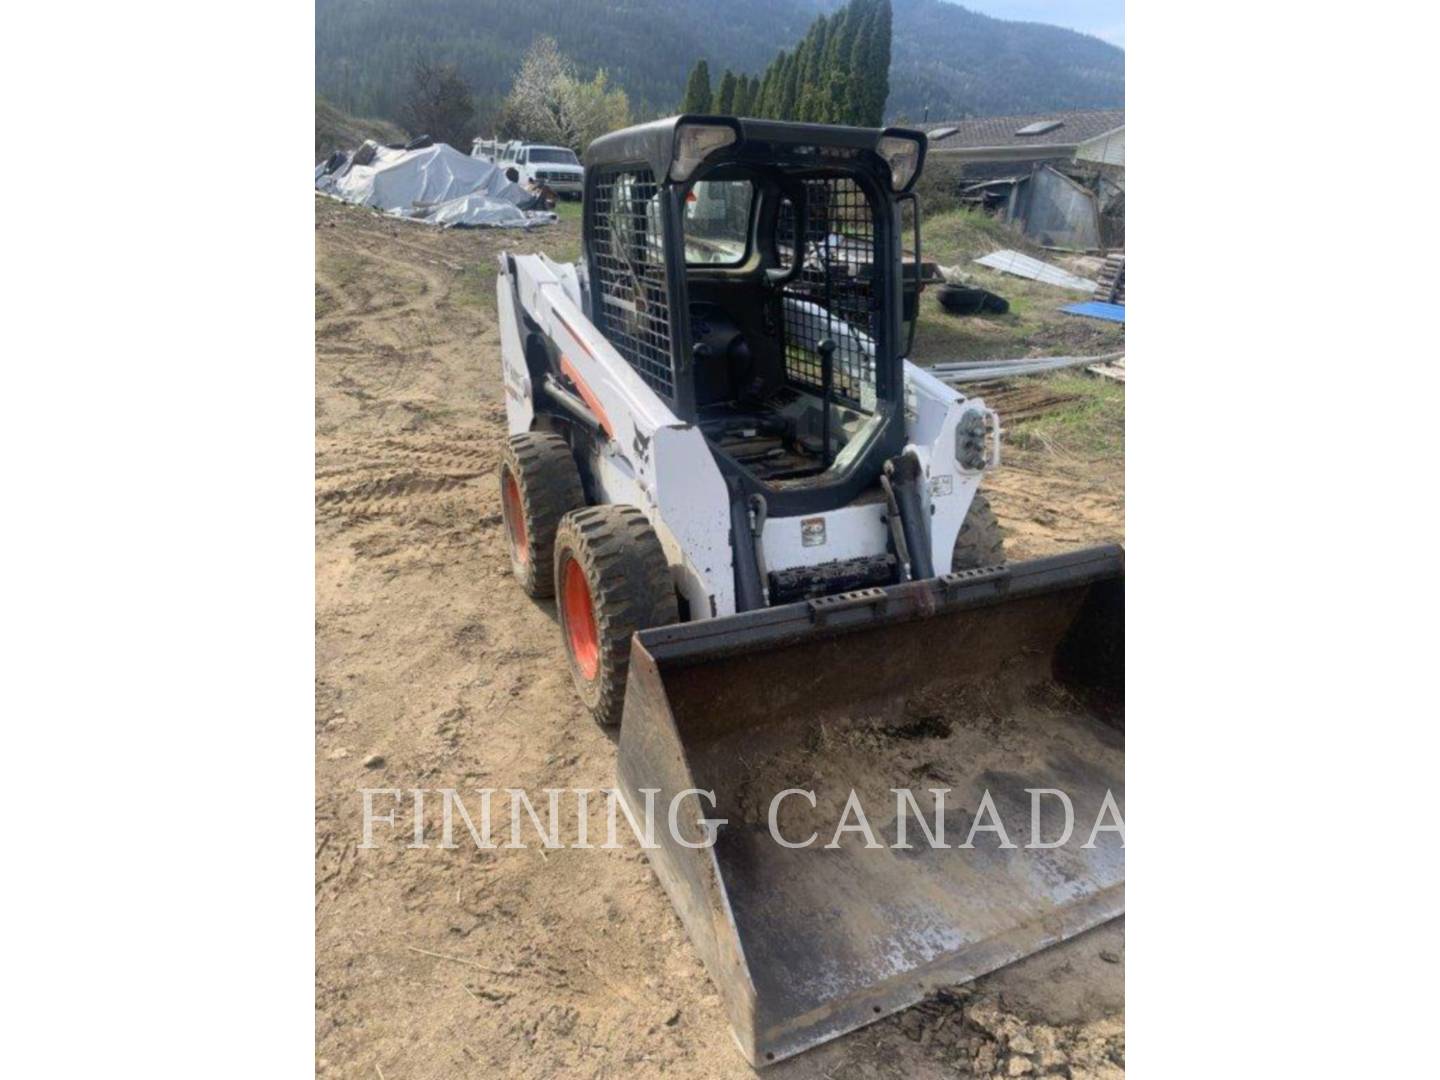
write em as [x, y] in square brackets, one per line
[970, 437]
[902, 153]
[694, 143]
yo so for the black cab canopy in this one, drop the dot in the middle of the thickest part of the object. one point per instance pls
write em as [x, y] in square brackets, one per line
[779, 142]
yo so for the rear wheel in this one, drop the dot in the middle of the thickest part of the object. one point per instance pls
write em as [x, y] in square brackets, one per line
[980, 542]
[611, 579]
[539, 485]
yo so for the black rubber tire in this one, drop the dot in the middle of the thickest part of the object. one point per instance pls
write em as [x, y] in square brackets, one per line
[630, 589]
[980, 542]
[548, 487]
[971, 300]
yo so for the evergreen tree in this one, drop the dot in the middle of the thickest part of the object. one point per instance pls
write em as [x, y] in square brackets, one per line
[790, 96]
[877, 70]
[725, 99]
[801, 73]
[744, 96]
[811, 106]
[834, 84]
[765, 105]
[697, 89]
[857, 67]
[838, 74]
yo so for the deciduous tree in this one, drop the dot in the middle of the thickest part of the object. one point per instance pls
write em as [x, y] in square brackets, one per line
[439, 105]
[550, 103]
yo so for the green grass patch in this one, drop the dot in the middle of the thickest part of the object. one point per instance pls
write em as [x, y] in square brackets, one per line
[1091, 427]
[958, 236]
[475, 287]
[560, 241]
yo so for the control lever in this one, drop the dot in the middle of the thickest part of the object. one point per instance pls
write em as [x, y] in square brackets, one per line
[826, 349]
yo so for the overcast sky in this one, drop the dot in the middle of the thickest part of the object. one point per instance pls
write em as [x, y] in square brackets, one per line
[1103, 18]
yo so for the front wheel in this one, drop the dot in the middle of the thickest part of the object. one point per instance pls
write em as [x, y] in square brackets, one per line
[611, 579]
[980, 542]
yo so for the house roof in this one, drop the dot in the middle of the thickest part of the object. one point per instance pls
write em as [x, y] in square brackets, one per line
[997, 132]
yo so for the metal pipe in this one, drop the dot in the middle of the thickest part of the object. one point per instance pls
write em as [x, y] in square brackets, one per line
[972, 371]
[571, 404]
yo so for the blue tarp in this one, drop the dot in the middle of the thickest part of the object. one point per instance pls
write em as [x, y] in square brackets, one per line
[1096, 309]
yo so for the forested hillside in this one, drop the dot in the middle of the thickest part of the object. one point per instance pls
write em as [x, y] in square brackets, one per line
[964, 64]
[945, 57]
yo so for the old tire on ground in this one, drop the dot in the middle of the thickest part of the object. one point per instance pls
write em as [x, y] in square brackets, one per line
[611, 579]
[971, 300]
[539, 485]
[980, 542]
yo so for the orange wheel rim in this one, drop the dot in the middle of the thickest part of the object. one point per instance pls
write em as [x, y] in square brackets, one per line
[515, 517]
[579, 612]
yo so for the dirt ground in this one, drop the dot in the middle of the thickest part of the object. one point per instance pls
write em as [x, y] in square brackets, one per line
[434, 671]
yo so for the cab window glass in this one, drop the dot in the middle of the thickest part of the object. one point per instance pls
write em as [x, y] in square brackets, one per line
[717, 222]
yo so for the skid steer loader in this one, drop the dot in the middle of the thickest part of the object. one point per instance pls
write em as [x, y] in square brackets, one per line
[773, 569]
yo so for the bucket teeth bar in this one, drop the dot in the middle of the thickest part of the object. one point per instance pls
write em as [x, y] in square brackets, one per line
[981, 684]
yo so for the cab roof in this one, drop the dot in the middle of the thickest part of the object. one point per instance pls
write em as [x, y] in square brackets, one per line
[654, 143]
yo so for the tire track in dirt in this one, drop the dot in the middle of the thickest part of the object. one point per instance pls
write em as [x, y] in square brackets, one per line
[383, 300]
[399, 331]
[396, 475]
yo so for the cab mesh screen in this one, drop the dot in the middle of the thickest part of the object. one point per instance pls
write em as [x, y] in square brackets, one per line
[627, 259]
[834, 296]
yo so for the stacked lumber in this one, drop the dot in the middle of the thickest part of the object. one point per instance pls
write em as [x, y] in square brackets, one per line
[1112, 280]
[1114, 370]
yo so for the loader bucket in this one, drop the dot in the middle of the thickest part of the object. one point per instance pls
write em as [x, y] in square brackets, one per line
[998, 680]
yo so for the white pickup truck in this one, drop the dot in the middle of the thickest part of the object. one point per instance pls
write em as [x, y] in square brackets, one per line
[554, 166]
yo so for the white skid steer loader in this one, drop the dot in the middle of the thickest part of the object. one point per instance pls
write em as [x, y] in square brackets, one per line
[773, 568]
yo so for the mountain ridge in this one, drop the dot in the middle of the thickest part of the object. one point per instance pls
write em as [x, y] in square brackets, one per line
[945, 59]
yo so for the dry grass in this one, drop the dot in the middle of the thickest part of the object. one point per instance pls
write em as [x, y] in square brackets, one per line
[1091, 427]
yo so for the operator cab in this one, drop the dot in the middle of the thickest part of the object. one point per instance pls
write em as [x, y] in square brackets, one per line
[750, 272]
[758, 347]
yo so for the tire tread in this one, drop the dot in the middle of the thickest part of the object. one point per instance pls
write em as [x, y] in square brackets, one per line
[630, 588]
[550, 488]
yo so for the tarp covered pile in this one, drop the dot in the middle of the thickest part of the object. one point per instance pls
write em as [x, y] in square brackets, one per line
[435, 183]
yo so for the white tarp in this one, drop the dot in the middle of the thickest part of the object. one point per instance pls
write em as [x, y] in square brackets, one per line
[480, 210]
[437, 184]
[1013, 262]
